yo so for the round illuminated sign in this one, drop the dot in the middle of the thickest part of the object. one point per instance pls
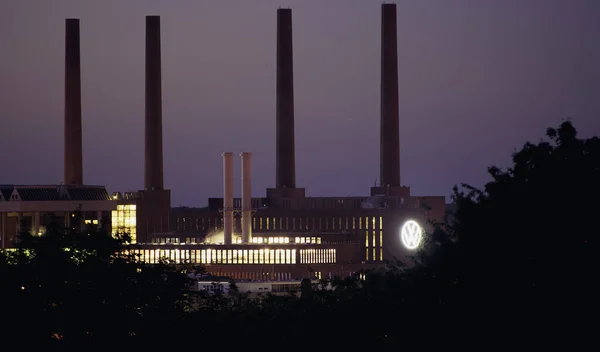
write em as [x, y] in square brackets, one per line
[411, 234]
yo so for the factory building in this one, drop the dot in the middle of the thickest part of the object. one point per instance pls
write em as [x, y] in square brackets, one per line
[283, 235]
[287, 235]
[147, 211]
[72, 204]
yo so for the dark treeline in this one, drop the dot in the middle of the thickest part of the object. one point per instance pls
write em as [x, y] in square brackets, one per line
[515, 259]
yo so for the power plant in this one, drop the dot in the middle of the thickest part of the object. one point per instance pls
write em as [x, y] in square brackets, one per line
[284, 235]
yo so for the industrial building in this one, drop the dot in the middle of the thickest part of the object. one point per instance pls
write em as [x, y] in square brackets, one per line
[286, 235]
[283, 235]
[73, 204]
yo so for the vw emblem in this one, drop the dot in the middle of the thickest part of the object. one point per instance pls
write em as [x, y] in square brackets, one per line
[411, 234]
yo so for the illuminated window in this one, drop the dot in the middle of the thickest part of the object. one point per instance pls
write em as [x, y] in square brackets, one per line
[124, 220]
[381, 222]
[267, 223]
[380, 238]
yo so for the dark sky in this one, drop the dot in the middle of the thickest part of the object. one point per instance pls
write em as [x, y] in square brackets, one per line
[478, 78]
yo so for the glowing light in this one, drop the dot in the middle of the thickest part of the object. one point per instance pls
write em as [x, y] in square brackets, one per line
[411, 234]
[124, 220]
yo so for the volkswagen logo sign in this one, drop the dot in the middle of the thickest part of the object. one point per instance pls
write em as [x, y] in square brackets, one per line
[411, 234]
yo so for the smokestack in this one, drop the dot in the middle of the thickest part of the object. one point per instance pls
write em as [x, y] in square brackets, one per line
[246, 197]
[73, 145]
[228, 196]
[390, 139]
[285, 155]
[153, 173]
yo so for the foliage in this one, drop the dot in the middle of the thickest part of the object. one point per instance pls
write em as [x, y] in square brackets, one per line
[527, 239]
[74, 287]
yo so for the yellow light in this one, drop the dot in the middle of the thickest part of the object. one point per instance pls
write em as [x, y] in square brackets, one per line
[124, 220]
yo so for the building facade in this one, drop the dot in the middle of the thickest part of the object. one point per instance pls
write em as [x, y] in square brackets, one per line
[32, 208]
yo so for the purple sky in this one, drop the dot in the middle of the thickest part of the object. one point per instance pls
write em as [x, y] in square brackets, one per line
[478, 78]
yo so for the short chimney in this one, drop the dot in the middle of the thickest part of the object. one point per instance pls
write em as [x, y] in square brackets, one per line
[246, 197]
[228, 197]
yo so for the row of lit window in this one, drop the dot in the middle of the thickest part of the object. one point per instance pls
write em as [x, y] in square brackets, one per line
[239, 256]
[259, 275]
[275, 240]
[260, 223]
[220, 256]
[321, 223]
[317, 256]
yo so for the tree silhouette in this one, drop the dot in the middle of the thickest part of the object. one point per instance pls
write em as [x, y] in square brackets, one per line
[527, 238]
[72, 288]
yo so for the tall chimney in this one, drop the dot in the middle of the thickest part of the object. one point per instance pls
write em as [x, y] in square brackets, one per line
[285, 155]
[390, 139]
[228, 196]
[246, 197]
[153, 173]
[73, 145]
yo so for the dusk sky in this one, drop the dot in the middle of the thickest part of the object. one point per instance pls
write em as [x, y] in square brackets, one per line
[478, 78]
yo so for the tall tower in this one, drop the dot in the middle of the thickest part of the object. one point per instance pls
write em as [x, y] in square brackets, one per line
[285, 178]
[73, 144]
[389, 162]
[285, 154]
[389, 134]
[153, 175]
[153, 208]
